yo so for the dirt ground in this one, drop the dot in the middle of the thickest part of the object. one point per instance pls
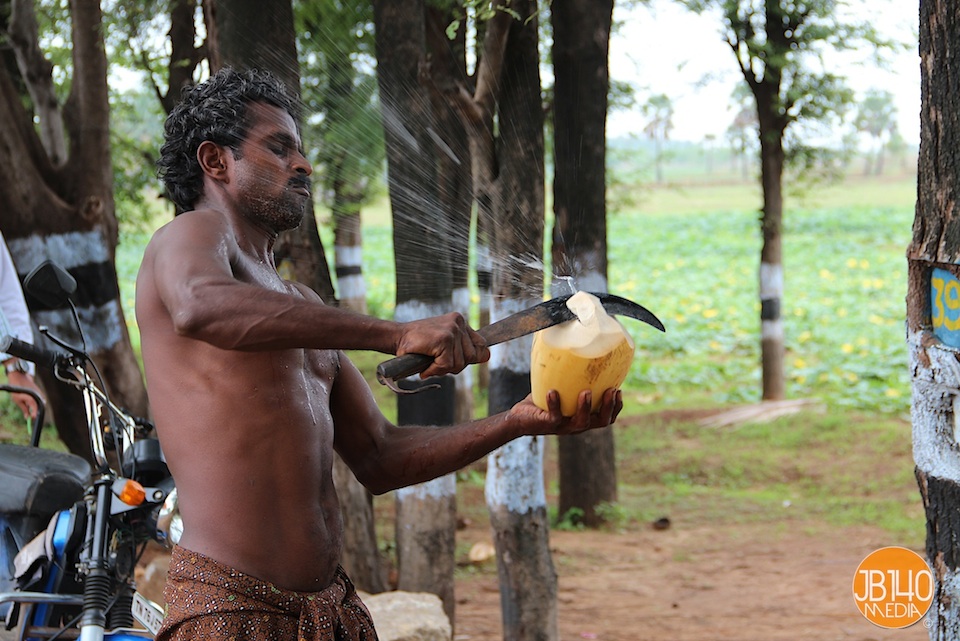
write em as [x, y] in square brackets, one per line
[742, 583]
[689, 582]
[693, 581]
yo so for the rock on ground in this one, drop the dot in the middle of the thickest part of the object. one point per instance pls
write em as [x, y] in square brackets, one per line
[408, 616]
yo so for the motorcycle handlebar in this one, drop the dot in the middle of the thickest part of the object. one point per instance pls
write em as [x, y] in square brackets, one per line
[26, 351]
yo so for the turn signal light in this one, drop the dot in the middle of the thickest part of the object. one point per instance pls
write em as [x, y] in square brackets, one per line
[132, 493]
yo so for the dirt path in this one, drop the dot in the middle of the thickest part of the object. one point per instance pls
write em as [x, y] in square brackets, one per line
[738, 583]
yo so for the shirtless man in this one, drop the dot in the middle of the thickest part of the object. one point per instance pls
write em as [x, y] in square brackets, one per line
[251, 394]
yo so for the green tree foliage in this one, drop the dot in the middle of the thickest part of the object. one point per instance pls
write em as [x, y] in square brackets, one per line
[658, 111]
[335, 40]
[783, 49]
[877, 117]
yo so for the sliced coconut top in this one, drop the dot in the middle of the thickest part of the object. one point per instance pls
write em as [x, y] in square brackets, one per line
[593, 333]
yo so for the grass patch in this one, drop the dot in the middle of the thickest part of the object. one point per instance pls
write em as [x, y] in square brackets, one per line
[840, 468]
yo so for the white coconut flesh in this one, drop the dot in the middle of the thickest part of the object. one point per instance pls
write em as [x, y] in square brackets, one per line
[592, 334]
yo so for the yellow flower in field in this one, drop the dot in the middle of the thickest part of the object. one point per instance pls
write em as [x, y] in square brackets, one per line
[852, 263]
[799, 363]
[878, 283]
[715, 345]
[823, 378]
[847, 348]
[710, 313]
[877, 320]
[804, 337]
[842, 312]
[891, 392]
[629, 286]
[862, 341]
[826, 275]
[680, 318]
[800, 379]
[864, 264]
[850, 376]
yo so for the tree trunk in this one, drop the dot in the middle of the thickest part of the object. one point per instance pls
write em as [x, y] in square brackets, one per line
[348, 253]
[426, 513]
[454, 179]
[932, 328]
[257, 33]
[64, 211]
[771, 256]
[514, 487]
[360, 557]
[581, 36]
[347, 195]
[260, 34]
[184, 54]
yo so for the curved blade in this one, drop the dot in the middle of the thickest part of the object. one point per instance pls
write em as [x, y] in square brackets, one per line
[555, 311]
[619, 306]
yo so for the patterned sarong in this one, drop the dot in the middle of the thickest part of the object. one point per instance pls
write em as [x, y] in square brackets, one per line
[211, 601]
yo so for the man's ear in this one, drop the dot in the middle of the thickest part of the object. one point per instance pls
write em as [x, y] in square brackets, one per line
[214, 160]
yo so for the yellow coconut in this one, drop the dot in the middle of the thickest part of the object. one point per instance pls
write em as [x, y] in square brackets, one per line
[593, 352]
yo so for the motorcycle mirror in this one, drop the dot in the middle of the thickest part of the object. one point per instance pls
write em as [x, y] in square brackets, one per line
[50, 284]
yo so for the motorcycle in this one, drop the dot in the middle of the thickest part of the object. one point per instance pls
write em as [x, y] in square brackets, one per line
[71, 534]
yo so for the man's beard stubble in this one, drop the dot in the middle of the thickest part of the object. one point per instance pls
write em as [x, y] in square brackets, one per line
[280, 214]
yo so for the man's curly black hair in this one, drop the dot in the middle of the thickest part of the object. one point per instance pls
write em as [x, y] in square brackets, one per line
[213, 110]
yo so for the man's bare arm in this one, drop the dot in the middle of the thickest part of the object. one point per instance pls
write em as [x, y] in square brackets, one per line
[385, 457]
[192, 268]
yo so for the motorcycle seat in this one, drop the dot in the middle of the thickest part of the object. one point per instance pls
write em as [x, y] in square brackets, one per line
[39, 482]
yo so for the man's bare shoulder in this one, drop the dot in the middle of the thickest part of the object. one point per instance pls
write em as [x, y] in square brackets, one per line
[189, 224]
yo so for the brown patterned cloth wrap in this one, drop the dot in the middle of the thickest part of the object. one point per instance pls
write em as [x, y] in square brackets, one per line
[211, 601]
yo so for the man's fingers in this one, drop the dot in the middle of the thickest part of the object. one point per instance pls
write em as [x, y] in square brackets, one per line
[27, 405]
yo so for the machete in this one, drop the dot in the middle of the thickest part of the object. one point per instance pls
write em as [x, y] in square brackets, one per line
[541, 316]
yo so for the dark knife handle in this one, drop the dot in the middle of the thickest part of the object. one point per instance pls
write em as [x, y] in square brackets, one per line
[402, 366]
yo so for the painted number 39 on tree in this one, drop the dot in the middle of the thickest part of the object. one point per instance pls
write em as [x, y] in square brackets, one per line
[945, 306]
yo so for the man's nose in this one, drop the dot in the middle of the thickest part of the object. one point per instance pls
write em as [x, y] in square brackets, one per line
[302, 165]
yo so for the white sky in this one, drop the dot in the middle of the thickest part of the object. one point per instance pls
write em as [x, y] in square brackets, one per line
[665, 49]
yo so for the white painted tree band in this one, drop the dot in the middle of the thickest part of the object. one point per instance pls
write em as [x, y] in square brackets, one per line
[771, 281]
[515, 476]
[512, 356]
[771, 330]
[349, 258]
[68, 250]
[935, 388]
[438, 489]
[414, 310]
[102, 325]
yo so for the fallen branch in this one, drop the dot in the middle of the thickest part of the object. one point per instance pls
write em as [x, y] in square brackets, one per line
[760, 412]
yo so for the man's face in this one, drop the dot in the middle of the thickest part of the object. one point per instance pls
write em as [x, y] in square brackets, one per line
[272, 176]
